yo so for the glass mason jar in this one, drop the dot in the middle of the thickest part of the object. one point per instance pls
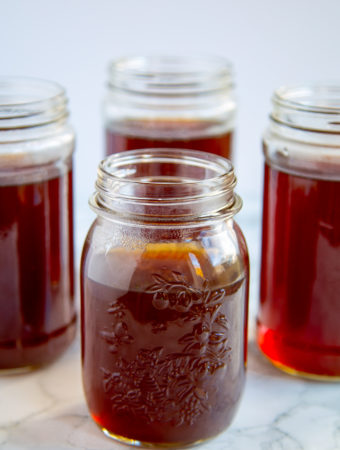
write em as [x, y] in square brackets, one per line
[164, 281]
[173, 102]
[36, 224]
[298, 320]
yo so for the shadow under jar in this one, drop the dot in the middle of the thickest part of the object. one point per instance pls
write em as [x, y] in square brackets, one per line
[164, 291]
[36, 224]
[173, 102]
[298, 320]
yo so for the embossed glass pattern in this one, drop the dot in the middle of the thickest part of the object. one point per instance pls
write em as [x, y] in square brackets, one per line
[164, 298]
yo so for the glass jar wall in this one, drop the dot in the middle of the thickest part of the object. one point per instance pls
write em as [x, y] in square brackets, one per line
[36, 223]
[298, 320]
[164, 289]
[185, 102]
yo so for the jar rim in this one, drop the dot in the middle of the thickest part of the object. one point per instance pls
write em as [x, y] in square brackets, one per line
[222, 165]
[27, 102]
[311, 97]
[171, 75]
[28, 91]
[166, 184]
[313, 107]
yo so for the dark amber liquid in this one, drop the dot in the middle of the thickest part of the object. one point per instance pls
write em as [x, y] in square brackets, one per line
[36, 272]
[298, 322]
[188, 134]
[163, 351]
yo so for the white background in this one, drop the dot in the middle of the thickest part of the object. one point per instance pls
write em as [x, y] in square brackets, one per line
[270, 43]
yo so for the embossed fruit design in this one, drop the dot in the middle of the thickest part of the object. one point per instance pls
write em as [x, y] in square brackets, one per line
[165, 369]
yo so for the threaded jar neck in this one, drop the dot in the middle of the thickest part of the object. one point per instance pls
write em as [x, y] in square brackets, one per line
[26, 103]
[171, 76]
[314, 108]
[170, 88]
[303, 137]
[165, 186]
[34, 128]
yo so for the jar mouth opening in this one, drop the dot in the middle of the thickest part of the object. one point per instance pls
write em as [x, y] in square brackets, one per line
[26, 102]
[171, 75]
[161, 166]
[312, 107]
[21, 91]
[314, 98]
[166, 183]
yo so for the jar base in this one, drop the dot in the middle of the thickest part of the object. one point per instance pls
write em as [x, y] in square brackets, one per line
[142, 444]
[17, 359]
[287, 357]
[301, 374]
[17, 370]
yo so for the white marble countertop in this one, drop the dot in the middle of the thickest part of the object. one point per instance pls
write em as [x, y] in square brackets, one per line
[46, 409]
